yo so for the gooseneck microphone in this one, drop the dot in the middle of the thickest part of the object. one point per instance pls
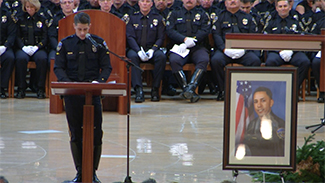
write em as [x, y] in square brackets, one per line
[88, 36]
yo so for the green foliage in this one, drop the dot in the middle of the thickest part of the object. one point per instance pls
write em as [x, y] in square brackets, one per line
[310, 160]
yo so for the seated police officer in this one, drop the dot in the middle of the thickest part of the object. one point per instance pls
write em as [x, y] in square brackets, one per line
[7, 40]
[282, 23]
[231, 20]
[188, 27]
[145, 34]
[31, 41]
[66, 10]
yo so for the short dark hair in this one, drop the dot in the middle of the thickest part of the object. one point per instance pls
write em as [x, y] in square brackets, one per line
[263, 89]
[246, 1]
[3, 179]
[82, 18]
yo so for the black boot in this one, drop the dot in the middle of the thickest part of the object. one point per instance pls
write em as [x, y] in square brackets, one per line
[76, 150]
[3, 94]
[40, 94]
[321, 97]
[155, 94]
[97, 154]
[139, 95]
[181, 80]
[195, 80]
[20, 94]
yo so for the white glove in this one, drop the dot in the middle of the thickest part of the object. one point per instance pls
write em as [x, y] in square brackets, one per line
[190, 42]
[143, 56]
[149, 53]
[33, 49]
[286, 55]
[26, 49]
[234, 53]
[2, 49]
[94, 82]
[182, 48]
[318, 55]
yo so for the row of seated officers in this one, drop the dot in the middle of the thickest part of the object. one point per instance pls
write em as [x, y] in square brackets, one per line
[29, 33]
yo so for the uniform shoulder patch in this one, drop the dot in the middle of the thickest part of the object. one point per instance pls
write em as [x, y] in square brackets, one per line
[280, 132]
[58, 48]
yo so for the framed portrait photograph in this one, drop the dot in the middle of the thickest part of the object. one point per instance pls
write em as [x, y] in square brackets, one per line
[260, 118]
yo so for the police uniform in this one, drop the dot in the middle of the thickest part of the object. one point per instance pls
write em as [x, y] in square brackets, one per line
[163, 13]
[257, 145]
[53, 34]
[116, 13]
[240, 22]
[176, 30]
[315, 64]
[53, 8]
[124, 10]
[263, 7]
[13, 6]
[194, 23]
[72, 64]
[208, 79]
[288, 25]
[31, 31]
[154, 39]
[7, 39]
[88, 6]
[309, 20]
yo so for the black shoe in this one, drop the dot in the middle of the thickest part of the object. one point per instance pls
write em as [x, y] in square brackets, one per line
[77, 178]
[221, 96]
[321, 97]
[139, 95]
[20, 94]
[95, 179]
[171, 91]
[3, 94]
[188, 93]
[195, 98]
[155, 95]
[40, 94]
[320, 100]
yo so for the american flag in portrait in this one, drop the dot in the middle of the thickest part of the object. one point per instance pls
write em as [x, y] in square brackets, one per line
[244, 108]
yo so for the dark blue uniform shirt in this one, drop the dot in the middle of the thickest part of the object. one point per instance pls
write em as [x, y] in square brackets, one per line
[98, 66]
[225, 25]
[155, 31]
[38, 24]
[8, 29]
[176, 27]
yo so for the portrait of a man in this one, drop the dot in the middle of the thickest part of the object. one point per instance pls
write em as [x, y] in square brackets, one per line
[264, 135]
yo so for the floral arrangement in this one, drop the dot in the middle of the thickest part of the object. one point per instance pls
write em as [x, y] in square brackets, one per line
[310, 160]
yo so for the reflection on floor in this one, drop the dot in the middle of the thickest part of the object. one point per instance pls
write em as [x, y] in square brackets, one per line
[170, 141]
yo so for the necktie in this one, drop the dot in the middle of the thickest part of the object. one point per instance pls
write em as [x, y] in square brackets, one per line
[82, 60]
[144, 32]
[283, 25]
[188, 24]
[235, 28]
[30, 32]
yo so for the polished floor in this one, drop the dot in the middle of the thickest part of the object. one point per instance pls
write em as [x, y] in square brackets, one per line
[170, 141]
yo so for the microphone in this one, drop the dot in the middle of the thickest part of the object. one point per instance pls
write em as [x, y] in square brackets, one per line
[88, 36]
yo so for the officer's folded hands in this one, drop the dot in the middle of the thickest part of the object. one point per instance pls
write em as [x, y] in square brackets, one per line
[234, 53]
[286, 55]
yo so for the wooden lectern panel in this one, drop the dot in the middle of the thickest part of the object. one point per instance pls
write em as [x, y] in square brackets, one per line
[113, 31]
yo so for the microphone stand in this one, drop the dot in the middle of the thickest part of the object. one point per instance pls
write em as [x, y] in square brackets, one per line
[128, 65]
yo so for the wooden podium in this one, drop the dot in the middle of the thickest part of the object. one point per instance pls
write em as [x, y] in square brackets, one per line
[112, 29]
[88, 90]
[294, 42]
